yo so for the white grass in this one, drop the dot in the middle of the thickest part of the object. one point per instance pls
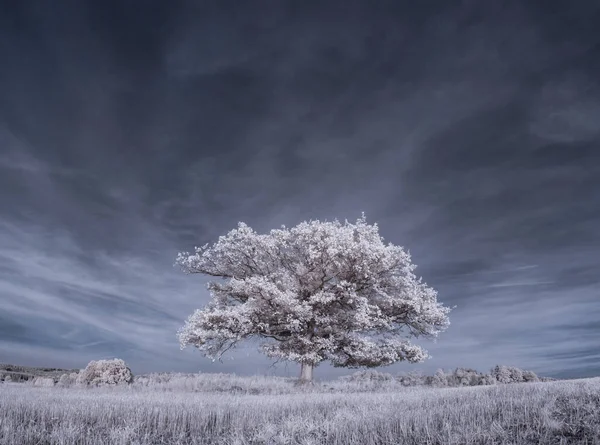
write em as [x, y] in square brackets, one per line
[564, 412]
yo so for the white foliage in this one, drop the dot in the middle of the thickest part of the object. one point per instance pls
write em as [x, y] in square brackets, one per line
[487, 379]
[466, 377]
[516, 375]
[67, 380]
[501, 373]
[530, 376]
[511, 374]
[105, 372]
[412, 378]
[43, 381]
[370, 375]
[439, 379]
[63, 381]
[318, 291]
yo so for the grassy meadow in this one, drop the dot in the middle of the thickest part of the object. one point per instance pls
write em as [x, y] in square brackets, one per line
[221, 409]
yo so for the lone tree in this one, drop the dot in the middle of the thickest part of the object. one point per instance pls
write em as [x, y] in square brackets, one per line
[318, 291]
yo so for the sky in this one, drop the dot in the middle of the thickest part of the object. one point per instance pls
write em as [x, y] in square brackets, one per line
[131, 131]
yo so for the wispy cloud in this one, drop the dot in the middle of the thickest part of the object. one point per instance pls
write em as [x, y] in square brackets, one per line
[521, 283]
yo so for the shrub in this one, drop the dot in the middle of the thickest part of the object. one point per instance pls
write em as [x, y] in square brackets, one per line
[43, 381]
[67, 380]
[439, 379]
[511, 374]
[487, 379]
[458, 377]
[502, 374]
[412, 378]
[530, 376]
[466, 377]
[368, 376]
[63, 381]
[105, 372]
[516, 375]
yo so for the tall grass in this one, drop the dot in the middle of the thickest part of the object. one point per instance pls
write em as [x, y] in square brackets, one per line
[565, 412]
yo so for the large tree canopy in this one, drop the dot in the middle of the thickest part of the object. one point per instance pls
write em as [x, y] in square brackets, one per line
[318, 291]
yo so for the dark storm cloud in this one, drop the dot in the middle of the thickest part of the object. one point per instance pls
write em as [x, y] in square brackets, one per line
[468, 132]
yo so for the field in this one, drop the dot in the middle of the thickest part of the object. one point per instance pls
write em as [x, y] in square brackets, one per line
[269, 411]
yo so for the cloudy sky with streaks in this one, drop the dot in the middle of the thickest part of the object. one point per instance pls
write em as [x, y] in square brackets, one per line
[131, 130]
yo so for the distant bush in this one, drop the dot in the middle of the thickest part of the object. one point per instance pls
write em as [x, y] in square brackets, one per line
[370, 376]
[105, 372]
[501, 374]
[465, 377]
[511, 374]
[114, 372]
[218, 382]
[63, 381]
[412, 378]
[457, 378]
[439, 379]
[67, 380]
[530, 376]
[487, 379]
[42, 381]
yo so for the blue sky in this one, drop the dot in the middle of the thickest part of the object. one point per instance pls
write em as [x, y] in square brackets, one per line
[129, 133]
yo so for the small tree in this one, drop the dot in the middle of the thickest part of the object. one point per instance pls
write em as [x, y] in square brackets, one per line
[439, 379]
[43, 381]
[487, 379]
[105, 372]
[530, 376]
[63, 381]
[516, 374]
[466, 377]
[67, 380]
[370, 376]
[318, 291]
[502, 374]
[412, 378]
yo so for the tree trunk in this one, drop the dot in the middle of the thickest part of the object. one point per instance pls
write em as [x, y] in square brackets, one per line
[306, 373]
